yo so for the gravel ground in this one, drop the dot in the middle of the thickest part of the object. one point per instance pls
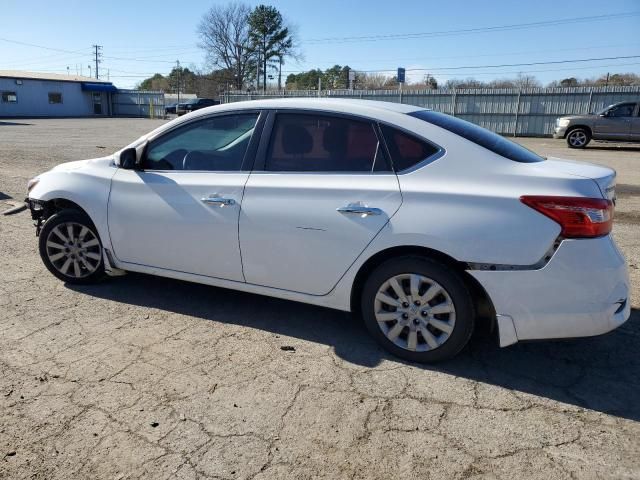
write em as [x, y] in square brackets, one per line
[143, 377]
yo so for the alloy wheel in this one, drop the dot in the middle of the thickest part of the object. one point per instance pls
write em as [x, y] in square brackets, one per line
[578, 138]
[74, 250]
[415, 312]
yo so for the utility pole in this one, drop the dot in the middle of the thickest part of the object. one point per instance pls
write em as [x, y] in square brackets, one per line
[97, 55]
[607, 82]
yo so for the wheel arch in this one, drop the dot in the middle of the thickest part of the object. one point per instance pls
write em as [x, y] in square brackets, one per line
[58, 204]
[486, 314]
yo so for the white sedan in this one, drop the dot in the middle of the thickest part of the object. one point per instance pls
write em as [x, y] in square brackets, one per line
[425, 225]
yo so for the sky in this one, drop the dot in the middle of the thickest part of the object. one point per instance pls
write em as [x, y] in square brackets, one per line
[142, 37]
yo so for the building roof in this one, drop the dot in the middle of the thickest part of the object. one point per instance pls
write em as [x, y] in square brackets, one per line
[58, 77]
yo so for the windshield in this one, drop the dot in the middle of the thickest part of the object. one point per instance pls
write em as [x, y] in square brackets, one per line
[479, 136]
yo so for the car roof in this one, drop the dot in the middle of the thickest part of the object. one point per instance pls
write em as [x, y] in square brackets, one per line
[347, 105]
[366, 108]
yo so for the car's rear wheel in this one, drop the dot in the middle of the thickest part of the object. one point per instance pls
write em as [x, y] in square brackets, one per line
[418, 309]
[71, 248]
[578, 138]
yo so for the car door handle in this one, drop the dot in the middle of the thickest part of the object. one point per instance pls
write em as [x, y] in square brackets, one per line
[217, 200]
[362, 210]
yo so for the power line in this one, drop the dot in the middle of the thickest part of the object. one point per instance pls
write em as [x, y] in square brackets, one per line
[467, 31]
[500, 54]
[579, 60]
[40, 46]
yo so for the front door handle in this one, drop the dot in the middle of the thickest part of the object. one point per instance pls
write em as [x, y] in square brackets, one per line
[218, 200]
[359, 209]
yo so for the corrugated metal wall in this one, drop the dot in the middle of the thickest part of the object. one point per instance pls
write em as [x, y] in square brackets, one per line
[526, 112]
[138, 103]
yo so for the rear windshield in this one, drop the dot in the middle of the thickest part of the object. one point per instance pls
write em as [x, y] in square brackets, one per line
[480, 136]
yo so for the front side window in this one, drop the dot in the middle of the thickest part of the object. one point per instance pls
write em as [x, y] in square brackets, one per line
[55, 97]
[406, 150]
[213, 144]
[480, 136]
[9, 97]
[323, 143]
[624, 110]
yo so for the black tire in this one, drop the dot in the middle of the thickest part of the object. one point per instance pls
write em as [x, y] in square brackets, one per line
[454, 287]
[578, 137]
[95, 270]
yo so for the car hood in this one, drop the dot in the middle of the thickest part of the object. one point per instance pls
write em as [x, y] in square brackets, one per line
[77, 164]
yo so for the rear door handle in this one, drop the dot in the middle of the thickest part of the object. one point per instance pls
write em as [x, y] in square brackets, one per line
[216, 199]
[359, 209]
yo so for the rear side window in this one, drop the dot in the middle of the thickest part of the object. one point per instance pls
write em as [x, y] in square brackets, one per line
[406, 150]
[323, 143]
[479, 136]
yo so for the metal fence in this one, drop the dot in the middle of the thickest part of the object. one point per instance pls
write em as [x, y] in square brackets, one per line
[138, 103]
[529, 112]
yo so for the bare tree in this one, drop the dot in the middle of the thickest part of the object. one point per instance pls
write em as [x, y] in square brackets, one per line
[224, 36]
[373, 81]
[526, 81]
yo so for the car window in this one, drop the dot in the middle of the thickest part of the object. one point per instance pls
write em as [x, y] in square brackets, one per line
[215, 144]
[624, 110]
[323, 143]
[406, 150]
[480, 136]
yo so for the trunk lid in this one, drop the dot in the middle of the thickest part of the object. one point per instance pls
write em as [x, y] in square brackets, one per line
[604, 177]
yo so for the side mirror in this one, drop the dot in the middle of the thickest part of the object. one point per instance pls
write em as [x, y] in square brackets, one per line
[128, 159]
[605, 114]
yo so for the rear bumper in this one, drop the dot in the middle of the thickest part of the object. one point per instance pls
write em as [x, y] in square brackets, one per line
[583, 291]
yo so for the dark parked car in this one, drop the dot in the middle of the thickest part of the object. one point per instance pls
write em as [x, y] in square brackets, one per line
[196, 104]
[171, 108]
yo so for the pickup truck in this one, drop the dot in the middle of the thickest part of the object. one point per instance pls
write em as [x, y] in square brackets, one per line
[619, 122]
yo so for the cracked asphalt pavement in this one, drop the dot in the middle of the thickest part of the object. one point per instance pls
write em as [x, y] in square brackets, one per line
[144, 377]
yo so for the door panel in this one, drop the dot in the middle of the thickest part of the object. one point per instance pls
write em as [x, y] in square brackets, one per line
[181, 211]
[616, 125]
[324, 191]
[158, 219]
[292, 235]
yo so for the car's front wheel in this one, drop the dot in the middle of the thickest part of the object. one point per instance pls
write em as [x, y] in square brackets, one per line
[71, 249]
[578, 138]
[418, 309]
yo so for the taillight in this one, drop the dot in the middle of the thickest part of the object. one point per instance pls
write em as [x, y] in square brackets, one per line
[579, 217]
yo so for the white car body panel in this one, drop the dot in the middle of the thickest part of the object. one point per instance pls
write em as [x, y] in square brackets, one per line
[575, 294]
[158, 219]
[294, 217]
[284, 237]
[84, 182]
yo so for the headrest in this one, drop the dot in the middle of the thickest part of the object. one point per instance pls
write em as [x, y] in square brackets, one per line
[296, 140]
[335, 139]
